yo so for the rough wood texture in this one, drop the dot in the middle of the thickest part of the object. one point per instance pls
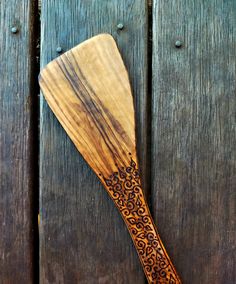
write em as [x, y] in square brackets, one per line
[83, 238]
[194, 137]
[16, 171]
[88, 90]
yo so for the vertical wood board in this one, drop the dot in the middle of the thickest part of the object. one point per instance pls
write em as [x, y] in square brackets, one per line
[82, 237]
[16, 148]
[194, 136]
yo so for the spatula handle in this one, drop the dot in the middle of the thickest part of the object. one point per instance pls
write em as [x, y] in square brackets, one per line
[125, 189]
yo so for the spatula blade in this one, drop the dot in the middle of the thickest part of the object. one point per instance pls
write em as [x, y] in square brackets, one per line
[88, 90]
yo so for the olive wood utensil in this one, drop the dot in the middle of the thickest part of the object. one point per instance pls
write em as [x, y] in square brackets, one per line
[88, 90]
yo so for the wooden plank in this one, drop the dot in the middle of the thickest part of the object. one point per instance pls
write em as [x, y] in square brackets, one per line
[83, 238]
[17, 108]
[194, 137]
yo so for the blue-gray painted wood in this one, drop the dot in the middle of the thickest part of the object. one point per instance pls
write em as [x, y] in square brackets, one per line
[194, 136]
[82, 236]
[17, 98]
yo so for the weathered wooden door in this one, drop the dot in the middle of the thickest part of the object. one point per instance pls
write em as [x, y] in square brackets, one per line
[181, 58]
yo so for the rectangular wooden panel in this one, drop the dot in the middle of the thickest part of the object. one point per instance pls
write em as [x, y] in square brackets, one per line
[82, 237]
[17, 108]
[194, 136]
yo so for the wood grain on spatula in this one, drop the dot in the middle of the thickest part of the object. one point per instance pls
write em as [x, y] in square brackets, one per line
[88, 90]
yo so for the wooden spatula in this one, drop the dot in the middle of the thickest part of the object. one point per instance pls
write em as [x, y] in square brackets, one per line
[88, 90]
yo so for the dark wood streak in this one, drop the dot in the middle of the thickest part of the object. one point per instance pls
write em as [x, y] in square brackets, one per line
[61, 114]
[115, 123]
[100, 122]
[104, 110]
[64, 120]
[86, 104]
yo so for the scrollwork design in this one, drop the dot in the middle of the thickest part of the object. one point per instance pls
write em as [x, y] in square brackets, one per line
[125, 188]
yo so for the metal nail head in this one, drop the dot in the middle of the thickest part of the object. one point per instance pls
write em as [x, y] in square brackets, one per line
[178, 43]
[14, 30]
[59, 49]
[120, 26]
